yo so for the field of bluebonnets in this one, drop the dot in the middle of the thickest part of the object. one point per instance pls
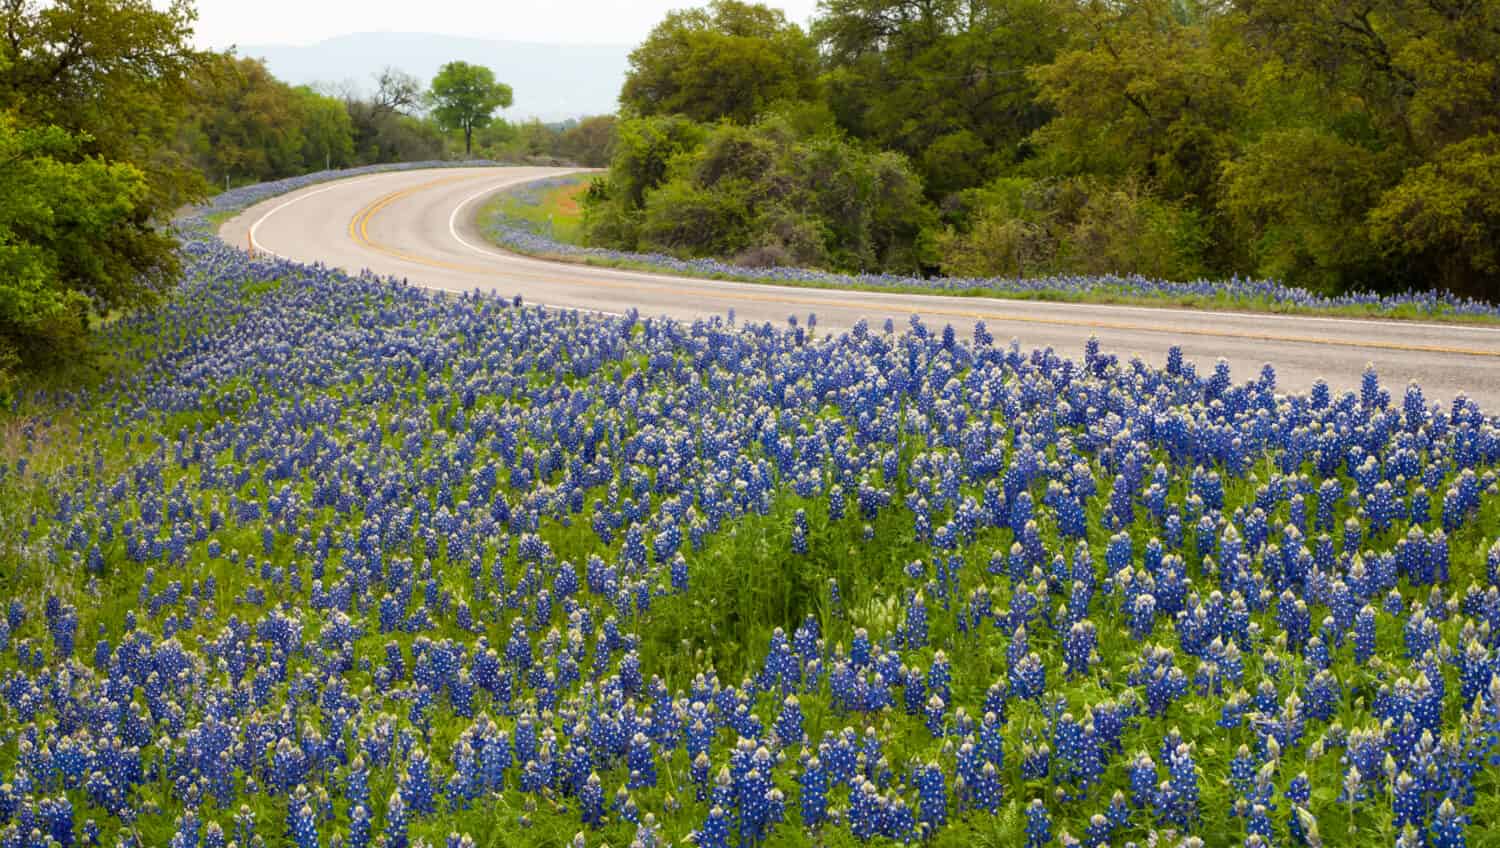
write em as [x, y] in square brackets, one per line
[337, 561]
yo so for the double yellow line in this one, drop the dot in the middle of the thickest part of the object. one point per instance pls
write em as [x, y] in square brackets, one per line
[359, 232]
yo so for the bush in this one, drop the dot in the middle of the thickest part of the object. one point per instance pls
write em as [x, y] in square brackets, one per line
[765, 193]
[1031, 228]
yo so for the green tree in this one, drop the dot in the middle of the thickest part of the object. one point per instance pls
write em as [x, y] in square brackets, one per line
[327, 131]
[590, 142]
[379, 119]
[1151, 89]
[942, 81]
[75, 238]
[1403, 92]
[761, 195]
[731, 60]
[1298, 198]
[114, 73]
[1446, 214]
[464, 98]
[243, 122]
[91, 93]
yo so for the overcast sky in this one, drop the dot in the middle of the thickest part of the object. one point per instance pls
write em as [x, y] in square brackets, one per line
[222, 23]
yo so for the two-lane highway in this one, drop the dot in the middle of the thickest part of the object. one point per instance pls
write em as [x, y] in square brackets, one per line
[421, 225]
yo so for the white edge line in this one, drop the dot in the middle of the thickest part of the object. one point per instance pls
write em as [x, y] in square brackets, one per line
[453, 231]
[255, 227]
[255, 243]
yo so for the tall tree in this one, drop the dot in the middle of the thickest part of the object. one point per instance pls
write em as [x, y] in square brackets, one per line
[464, 98]
[1409, 89]
[75, 237]
[943, 81]
[396, 91]
[117, 71]
[327, 131]
[91, 93]
[731, 60]
[244, 123]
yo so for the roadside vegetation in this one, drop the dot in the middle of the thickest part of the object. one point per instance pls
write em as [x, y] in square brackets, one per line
[548, 208]
[1335, 148]
[545, 219]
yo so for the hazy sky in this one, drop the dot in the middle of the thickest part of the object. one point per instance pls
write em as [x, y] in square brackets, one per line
[222, 23]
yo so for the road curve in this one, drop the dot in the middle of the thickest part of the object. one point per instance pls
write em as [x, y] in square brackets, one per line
[420, 225]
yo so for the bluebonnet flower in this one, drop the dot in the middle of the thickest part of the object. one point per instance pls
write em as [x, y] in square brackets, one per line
[1448, 827]
[303, 827]
[641, 762]
[789, 722]
[933, 795]
[814, 785]
[715, 830]
[1038, 825]
[395, 822]
[1078, 647]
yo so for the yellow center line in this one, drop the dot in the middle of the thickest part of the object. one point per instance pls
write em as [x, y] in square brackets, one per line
[359, 231]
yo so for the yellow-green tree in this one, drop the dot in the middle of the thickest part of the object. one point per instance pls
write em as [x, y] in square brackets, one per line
[72, 230]
[91, 94]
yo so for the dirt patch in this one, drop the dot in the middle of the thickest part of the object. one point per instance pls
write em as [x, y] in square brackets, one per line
[569, 198]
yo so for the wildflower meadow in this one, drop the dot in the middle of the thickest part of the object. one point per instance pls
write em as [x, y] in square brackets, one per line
[331, 560]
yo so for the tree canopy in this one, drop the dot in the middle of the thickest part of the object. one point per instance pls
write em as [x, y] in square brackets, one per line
[729, 60]
[91, 91]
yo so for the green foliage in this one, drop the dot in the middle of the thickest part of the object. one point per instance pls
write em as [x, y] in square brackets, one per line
[1406, 90]
[1080, 225]
[1298, 196]
[1448, 213]
[89, 92]
[116, 71]
[247, 125]
[327, 131]
[643, 149]
[74, 238]
[385, 128]
[730, 60]
[590, 142]
[762, 194]
[464, 98]
[941, 81]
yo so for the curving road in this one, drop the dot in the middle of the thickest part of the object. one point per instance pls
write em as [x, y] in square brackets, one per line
[421, 225]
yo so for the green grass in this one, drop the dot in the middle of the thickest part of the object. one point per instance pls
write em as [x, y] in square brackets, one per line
[555, 212]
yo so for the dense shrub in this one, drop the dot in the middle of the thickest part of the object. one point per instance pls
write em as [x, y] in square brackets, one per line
[764, 191]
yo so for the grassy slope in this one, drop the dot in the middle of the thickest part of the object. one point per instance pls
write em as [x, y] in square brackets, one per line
[555, 211]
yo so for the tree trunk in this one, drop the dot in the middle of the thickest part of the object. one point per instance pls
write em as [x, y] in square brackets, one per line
[468, 141]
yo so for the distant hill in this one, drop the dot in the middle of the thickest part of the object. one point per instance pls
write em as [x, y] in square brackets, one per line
[552, 82]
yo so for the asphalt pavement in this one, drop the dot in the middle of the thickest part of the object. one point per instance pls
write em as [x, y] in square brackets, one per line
[421, 225]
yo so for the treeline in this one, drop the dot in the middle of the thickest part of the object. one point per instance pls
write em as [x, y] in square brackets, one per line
[245, 125]
[1335, 145]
